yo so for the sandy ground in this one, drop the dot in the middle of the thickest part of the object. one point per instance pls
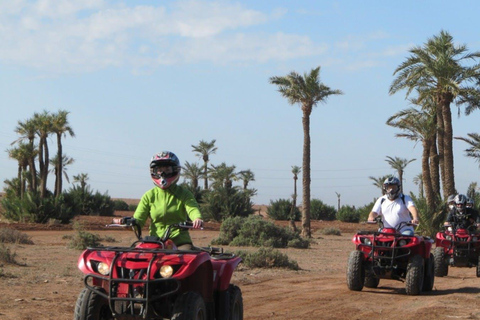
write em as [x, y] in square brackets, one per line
[46, 286]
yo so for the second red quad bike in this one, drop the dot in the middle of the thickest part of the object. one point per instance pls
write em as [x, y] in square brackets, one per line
[152, 279]
[457, 247]
[388, 254]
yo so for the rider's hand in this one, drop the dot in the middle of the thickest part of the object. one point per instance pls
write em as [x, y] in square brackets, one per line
[197, 223]
[117, 220]
[415, 221]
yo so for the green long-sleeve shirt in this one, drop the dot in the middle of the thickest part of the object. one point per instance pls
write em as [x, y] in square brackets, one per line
[167, 207]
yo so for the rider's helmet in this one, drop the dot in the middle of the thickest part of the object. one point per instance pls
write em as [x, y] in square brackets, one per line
[451, 201]
[460, 202]
[165, 169]
[469, 203]
[391, 187]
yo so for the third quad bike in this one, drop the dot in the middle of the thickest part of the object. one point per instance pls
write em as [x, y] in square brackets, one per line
[388, 254]
[457, 247]
[152, 279]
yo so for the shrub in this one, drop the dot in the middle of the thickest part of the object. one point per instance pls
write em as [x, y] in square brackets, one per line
[281, 209]
[348, 214]
[331, 231]
[267, 258]
[256, 232]
[83, 240]
[364, 211]
[132, 207]
[221, 203]
[321, 211]
[120, 205]
[14, 236]
[6, 256]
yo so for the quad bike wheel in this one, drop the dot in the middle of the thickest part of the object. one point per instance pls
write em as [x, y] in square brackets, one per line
[190, 306]
[236, 303]
[429, 274]
[414, 278]
[92, 306]
[478, 267]
[371, 282]
[355, 271]
[441, 266]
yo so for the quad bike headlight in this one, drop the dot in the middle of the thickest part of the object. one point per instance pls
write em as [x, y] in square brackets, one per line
[474, 238]
[166, 271]
[449, 238]
[402, 242]
[103, 268]
[367, 241]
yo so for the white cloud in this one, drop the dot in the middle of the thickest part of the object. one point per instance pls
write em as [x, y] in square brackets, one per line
[83, 35]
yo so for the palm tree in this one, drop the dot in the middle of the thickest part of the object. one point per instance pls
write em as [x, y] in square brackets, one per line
[192, 172]
[295, 170]
[16, 153]
[27, 131]
[246, 176]
[81, 178]
[338, 201]
[436, 70]
[44, 127]
[399, 164]
[420, 126]
[223, 175]
[307, 91]
[60, 127]
[204, 150]
[66, 161]
[418, 180]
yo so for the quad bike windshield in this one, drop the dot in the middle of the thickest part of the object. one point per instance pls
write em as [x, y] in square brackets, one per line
[146, 278]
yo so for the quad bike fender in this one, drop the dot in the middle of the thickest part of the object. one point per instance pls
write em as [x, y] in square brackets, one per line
[223, 271]
[84, 263]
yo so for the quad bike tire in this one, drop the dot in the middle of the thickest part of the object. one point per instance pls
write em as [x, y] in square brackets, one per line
[355, 271]
[478, 267]
[92, 306]
[371, 282]
[190, 306]
[429, 274]
[441, 266]
[415, 273]
[236, 303]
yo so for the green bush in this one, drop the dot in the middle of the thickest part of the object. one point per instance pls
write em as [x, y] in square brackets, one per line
[132, 207]
[348, 214]
[120, 205]
[221, 203]
[256, 232]
[331, 231]
[82, 240]
[321, 211]
[84, 201]
[6, 256]
[267, 258]
[281, 209]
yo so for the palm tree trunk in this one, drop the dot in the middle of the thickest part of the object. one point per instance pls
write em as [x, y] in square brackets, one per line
[205, 185]
[306, 232]
[449, 186]
[440, 143]
[426, 177]
[44, 173]
[434, 167]
[59, 169]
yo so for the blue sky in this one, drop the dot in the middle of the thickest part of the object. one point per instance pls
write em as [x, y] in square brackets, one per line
[139, 77]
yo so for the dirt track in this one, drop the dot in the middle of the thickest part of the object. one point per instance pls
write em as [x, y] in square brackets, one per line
[48, 285]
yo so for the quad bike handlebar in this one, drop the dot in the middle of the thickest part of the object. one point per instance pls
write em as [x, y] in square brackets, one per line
[378, 220]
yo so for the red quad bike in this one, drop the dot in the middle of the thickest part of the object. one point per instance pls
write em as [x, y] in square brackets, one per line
[388, 254]
[152, 279]
[457, 247]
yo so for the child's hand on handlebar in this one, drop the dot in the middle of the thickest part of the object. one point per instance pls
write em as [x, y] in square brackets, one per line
[197, 223]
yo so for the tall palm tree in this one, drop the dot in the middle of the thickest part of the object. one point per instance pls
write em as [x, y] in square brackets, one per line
[60, 127]
[419, 125]
[66, 161]
[399, 164]
[418, 180]
[192, 172]
[27, 131]
[474, 150]
[246, 176]
[338, 201]
[82, 179]
[307, 91]
[44, 126]
[436, 70]
[204, 149]
[16, 153]
[295, 171]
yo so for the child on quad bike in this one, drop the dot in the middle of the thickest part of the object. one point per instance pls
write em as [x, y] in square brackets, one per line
[167, 203]
[395, 207]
